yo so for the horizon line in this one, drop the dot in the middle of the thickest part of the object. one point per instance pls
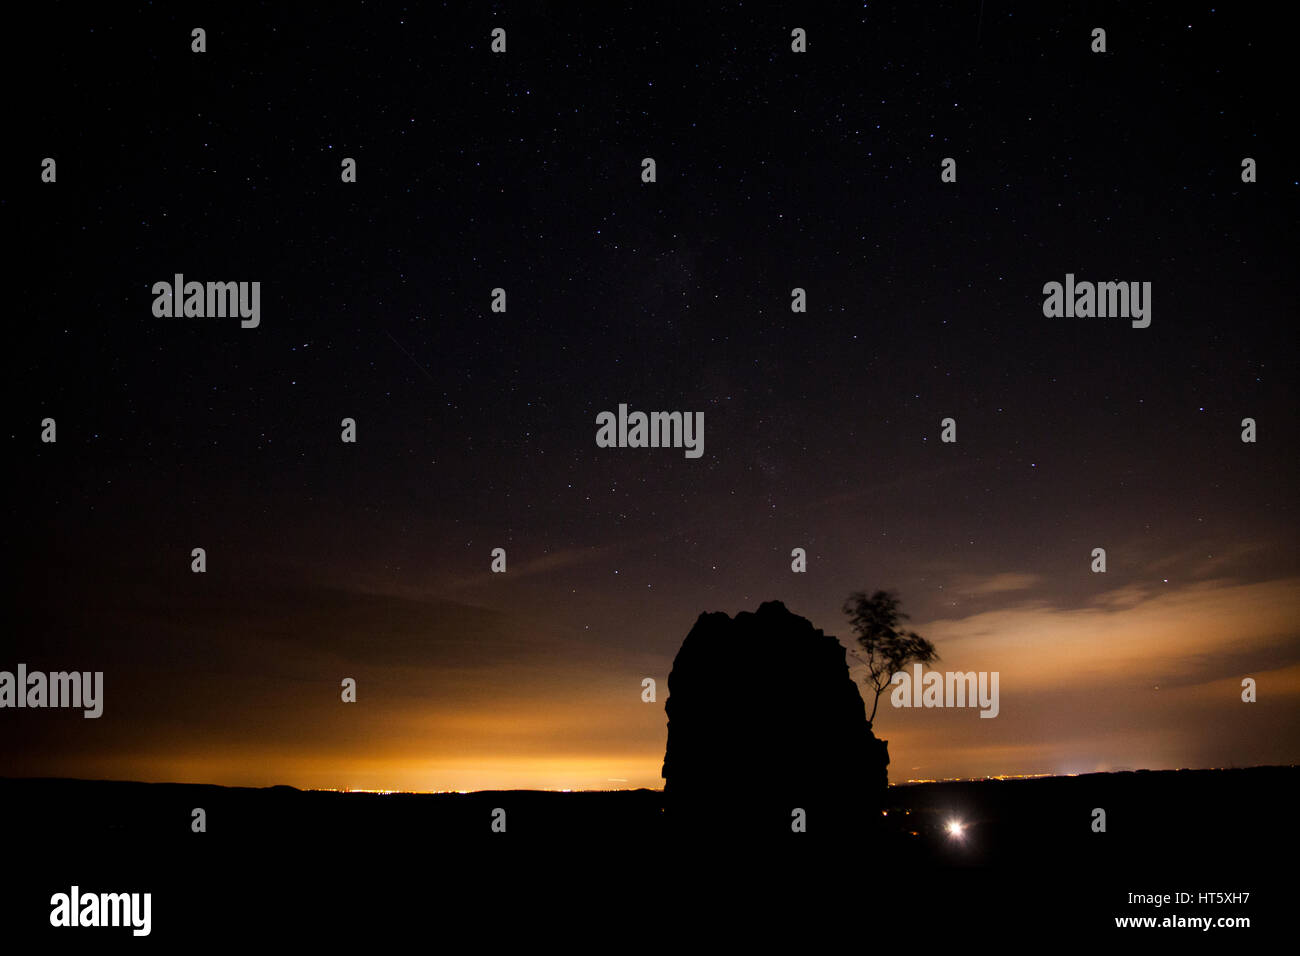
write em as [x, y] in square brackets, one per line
[916, 781]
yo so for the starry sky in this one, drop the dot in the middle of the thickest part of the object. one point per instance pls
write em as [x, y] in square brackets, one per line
[476, 429]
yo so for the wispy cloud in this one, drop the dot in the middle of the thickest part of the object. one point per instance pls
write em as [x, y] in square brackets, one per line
[977, 584]
[1123, 632]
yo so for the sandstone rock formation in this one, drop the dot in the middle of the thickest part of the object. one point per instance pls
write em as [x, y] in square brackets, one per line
[763, 718]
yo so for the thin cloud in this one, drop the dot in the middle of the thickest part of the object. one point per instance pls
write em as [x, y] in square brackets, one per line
[997, 583]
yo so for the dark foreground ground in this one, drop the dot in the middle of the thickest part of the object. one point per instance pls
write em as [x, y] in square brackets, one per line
[609, 870]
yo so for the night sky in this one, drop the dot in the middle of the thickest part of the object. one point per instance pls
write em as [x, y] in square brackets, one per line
[476, 429]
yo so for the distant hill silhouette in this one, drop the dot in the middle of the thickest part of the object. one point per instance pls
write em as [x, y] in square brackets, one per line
[763, 704]
[1028, 856]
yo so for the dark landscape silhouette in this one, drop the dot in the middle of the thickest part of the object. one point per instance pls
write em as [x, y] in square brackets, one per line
[765, 725]
[1026, 857]
[746, 754]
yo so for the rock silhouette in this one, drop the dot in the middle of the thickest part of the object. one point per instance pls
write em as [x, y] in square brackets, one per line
[763, 718]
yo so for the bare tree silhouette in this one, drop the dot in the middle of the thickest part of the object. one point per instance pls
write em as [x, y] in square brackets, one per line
[888, 649]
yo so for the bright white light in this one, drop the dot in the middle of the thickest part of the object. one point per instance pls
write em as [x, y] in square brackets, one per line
[955, 828]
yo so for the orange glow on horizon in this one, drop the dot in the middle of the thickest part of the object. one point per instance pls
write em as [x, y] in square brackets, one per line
[1136, 679]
